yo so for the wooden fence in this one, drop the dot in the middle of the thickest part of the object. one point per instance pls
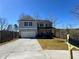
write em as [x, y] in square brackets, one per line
[8, 35]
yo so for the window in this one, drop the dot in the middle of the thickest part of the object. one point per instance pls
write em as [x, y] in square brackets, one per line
[25, 23]
[41, 25]
[46, 25]
[50, 25]
[30, 23]
[37, 25]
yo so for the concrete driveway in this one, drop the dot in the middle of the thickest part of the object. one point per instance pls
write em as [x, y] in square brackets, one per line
[30, 49]
[22, 49]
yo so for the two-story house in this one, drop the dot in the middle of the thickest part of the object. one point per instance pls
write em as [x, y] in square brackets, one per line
[29, 27]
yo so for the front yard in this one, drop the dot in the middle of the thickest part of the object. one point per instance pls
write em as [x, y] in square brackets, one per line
[53, 44]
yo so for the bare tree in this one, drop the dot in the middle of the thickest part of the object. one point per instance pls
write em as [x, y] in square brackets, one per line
[9, 28]
[3, 24]
[16, 27]
[70, 30]
[37, 16]
[75, 11]
[67, 30]
[53, 20]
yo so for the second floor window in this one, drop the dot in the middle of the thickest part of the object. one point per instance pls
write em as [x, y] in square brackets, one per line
[41, 25]
[25, 23]
[46, 25]
[30, 23]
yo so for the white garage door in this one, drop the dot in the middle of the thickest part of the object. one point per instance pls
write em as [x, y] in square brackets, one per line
[28, 34]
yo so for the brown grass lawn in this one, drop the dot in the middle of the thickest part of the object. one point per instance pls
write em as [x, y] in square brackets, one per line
[53, 44]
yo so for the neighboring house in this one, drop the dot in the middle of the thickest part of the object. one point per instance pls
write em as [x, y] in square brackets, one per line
[29, 27]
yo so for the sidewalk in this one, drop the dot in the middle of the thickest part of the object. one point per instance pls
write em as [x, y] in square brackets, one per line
[61, 54]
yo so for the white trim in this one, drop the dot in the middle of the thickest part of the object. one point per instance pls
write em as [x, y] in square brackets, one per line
[27, 28]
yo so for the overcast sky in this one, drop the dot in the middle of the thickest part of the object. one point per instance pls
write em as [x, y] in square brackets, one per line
[60, 9]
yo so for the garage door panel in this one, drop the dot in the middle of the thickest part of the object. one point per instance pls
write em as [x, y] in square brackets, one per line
[28, 34]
